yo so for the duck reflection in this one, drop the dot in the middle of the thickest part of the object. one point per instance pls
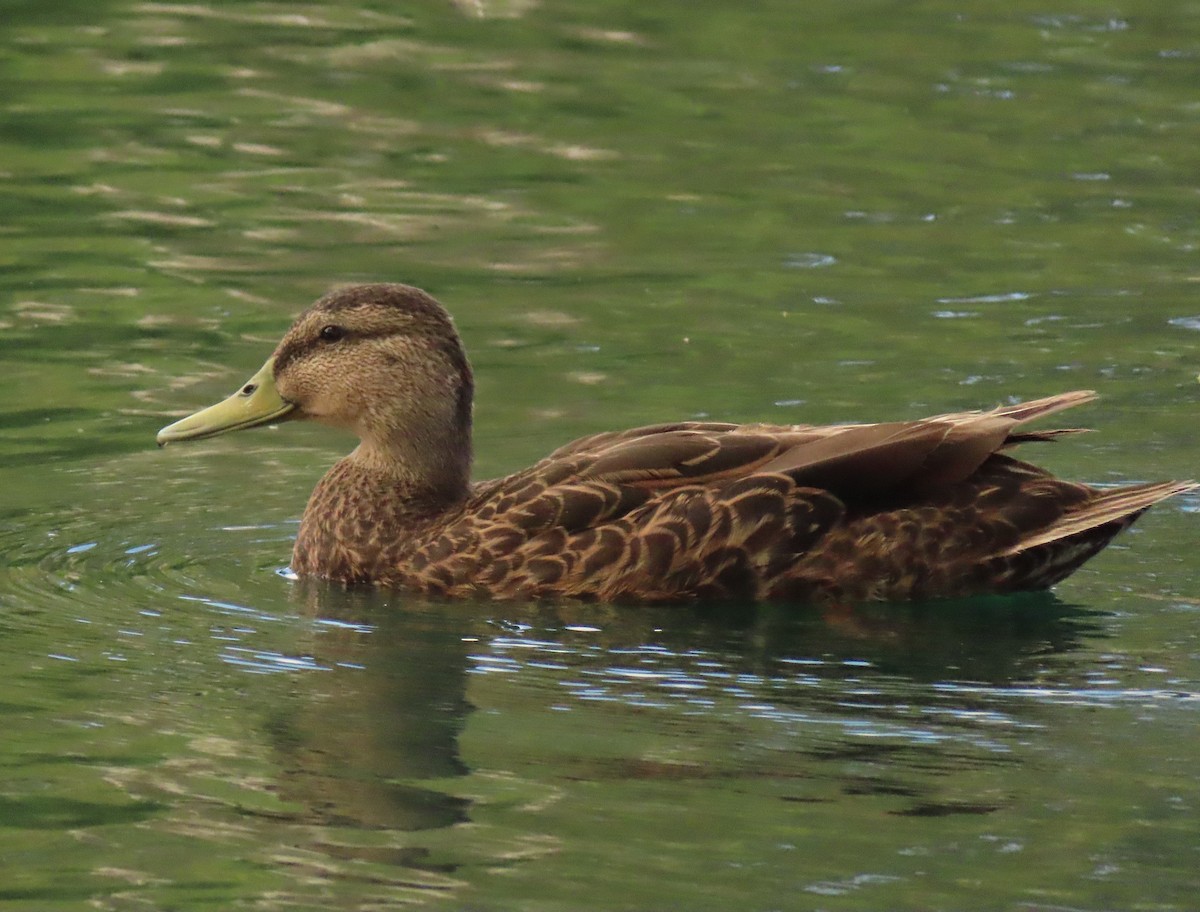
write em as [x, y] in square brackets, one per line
[372, 743]
[383, 717]
[990, 640]
[387, 712]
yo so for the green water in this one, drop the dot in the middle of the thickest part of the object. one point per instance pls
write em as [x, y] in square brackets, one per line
[637, 212]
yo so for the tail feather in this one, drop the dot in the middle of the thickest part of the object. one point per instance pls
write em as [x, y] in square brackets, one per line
[1041, 436]
[1110, 507]
[1048, 405]
[1021, 412]
[1051, 555]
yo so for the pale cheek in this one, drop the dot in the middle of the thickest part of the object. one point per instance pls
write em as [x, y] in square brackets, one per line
[327, 402]
[338, 408]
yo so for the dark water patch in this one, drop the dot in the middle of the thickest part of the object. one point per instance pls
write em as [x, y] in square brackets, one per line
[946, 810]
[57, 813]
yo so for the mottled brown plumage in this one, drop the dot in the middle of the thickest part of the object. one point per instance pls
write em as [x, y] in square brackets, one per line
[905, 510]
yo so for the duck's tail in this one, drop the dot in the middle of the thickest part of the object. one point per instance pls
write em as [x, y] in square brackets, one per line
[1053, 553]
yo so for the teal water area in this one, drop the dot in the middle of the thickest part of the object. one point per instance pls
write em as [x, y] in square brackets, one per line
[777, 212]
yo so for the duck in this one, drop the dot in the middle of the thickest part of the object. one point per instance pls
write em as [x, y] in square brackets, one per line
[692, 510]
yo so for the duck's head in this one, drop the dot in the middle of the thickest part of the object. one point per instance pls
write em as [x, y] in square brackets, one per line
[383, 361]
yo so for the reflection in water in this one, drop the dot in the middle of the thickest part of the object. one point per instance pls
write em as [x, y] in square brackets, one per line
[989, 641]
[369, 738]
[359, 738]
[925, 687]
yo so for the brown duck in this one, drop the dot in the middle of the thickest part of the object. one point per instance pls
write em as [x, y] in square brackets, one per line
[904, 510]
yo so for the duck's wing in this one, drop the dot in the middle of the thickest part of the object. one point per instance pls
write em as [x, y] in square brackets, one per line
[595, 443]
[854, 460]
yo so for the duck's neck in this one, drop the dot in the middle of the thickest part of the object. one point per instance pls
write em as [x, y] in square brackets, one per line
[434, 460]
[364, 516]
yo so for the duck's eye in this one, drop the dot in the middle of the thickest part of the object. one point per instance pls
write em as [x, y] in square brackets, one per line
[332, 333]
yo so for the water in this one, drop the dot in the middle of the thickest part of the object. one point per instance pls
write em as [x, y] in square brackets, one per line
[770, 212]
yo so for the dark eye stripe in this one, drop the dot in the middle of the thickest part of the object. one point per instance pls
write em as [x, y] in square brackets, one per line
[300, 348]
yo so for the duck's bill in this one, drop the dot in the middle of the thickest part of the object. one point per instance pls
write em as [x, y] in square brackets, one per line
[256, 403]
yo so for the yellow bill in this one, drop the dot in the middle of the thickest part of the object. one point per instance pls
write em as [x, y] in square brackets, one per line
[256, 403]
